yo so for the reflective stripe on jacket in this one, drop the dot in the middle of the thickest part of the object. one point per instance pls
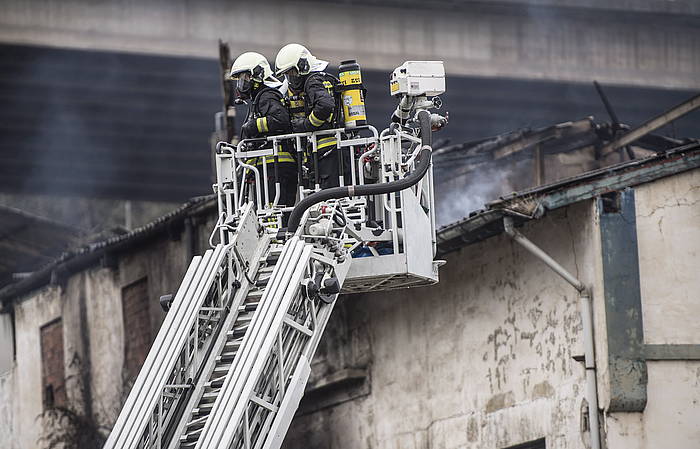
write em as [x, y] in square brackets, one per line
[271, 117]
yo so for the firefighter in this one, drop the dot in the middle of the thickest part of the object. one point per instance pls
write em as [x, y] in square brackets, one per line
[313, 105]
[267, 115]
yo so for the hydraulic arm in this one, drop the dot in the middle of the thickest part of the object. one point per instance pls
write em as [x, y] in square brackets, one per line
[232, 358]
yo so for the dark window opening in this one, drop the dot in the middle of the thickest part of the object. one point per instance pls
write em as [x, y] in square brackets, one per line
[52, 365]
[536, 444]
[137, 327]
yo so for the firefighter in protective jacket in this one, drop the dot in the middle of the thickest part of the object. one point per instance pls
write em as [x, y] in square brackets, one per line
[267, 115]
[313, 105]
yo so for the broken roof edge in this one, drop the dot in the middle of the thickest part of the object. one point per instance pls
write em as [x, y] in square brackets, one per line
[523, 206]
[43, 220]
[72, 261]
[533, 203]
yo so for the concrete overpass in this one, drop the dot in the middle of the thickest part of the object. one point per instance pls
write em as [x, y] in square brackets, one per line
[115, 99]
[633, 42]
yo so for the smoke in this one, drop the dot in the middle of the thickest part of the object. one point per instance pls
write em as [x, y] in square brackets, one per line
[459, 194]
[108, 125]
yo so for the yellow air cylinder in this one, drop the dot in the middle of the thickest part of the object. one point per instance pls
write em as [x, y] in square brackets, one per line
[352, 94]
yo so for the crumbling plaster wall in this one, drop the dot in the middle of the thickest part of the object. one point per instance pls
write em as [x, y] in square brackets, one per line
[7, 380]
[92, 340]
[90, 305]
[481, 360]
[668, 232]
[8, 393]
[35, 311]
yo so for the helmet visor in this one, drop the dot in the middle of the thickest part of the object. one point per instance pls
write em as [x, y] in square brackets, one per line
[243, 82]
[295, 80]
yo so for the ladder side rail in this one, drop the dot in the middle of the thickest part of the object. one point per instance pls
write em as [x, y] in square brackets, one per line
[178, 364]
[200, 337]
[190, 363]
[238, 301]
[169, 369]
[248, 339]
[251, 342]
[292, 287]
[275, 383]
[271, 387]
[171, 322]
[146, 399]
[290, 403]
[298, 321]
[299, 377]
[257, 345]
[259, 328]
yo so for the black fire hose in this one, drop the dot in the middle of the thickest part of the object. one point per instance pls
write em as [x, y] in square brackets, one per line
[372, 189]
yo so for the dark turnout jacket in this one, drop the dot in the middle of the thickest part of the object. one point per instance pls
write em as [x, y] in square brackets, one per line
[269, 112]
[319, 101]
[270, 118]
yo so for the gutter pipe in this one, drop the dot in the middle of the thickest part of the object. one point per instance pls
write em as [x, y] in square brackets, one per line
[586, 321]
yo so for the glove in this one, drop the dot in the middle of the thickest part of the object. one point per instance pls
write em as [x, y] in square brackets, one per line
[249, 129]
[299, 125]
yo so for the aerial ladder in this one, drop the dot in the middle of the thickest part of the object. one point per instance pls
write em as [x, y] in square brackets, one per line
[230, 363]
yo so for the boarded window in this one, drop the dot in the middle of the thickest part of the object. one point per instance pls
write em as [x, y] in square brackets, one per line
[53, 372]
[537, 444]
[137, 327]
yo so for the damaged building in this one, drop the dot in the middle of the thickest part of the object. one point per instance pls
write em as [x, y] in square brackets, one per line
[555, 197]
[492, 356]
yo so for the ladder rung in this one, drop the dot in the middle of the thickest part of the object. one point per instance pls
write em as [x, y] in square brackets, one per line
[262, 282]
[248, 307]
[191, 436]
[243, 318]
[203, 409]
[223, 368]
[273, 255]
[255, 294]
[209, 397]
[197, 423]
[216, 383]
[238, 331]
[233, 344]
[263, 403]
[225, 357]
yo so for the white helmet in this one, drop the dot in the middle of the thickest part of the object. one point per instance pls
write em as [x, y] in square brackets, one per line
[296, 56]
[256, 64]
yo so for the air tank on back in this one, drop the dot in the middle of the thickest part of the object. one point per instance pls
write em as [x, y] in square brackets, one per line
[353, 94]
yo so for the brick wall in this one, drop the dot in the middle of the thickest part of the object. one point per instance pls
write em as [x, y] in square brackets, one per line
[52, 364]
[137, 327]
